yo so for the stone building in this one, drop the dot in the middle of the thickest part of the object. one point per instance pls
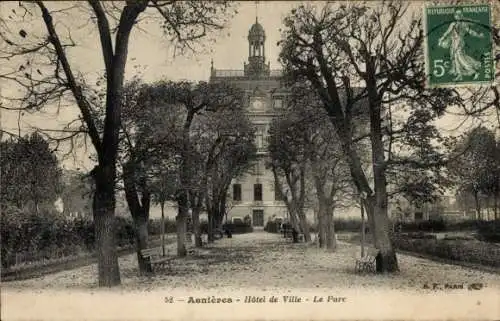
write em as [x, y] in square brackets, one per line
[254, 194]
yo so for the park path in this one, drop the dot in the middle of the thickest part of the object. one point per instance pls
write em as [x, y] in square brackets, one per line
[266, 261]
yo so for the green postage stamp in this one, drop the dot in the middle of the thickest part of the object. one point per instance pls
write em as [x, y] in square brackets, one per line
[459, 45]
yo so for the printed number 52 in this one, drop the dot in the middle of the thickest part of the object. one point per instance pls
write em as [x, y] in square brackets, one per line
[440, 67]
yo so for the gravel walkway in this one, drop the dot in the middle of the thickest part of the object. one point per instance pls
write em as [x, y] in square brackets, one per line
[266, 262]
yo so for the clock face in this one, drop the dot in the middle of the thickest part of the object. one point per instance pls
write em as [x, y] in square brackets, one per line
[257, 104]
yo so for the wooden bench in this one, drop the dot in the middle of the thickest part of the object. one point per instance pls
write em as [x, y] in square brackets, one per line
[367, 263]
[288, 234]
[156, 258]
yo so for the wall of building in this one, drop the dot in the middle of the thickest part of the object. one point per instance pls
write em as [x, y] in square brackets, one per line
[263, 90]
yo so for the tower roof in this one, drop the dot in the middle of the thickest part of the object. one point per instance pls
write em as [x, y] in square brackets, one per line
[256, 30]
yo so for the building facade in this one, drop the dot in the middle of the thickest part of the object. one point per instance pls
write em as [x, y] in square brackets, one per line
[254, 194]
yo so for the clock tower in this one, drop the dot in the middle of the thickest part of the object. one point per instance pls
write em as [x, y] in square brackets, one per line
[256, 66]
[255, 193]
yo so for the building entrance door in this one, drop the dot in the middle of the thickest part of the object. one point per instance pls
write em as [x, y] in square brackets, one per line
[258, 218]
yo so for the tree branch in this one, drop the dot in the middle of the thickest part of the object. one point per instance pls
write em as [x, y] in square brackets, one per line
[82, 103]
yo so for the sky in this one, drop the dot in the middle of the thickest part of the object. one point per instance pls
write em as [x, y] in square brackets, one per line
[151, 54]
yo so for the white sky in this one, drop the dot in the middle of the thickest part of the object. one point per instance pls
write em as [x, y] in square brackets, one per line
[153, 55]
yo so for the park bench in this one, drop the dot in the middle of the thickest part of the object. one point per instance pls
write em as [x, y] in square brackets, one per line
[288, 234]
[367, 263]
[156, 258]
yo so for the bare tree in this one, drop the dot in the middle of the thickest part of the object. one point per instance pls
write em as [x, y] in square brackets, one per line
[326, 171]
[288, 147]
[224, 148]
[193, 99]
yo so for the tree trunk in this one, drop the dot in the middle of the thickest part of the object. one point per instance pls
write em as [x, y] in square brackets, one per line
[321, 226]
[139, 212]
[142, 243]
[222, 210]
[104, 218]
[294, 220]
[185, 180]
[180, 225]
[478, 205]
[210, 227]
[162, 227]
[142, 230]
[196, 206]
[304, 226]
[495, 200]
[196, 227]
[363, 228]
[320, 195]
[180, 222]
[386, 260]
[331, 241]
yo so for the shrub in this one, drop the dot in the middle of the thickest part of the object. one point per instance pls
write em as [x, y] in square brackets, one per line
[271, 227]
[467, 225]
[124, 231]
[489, 231]
[348, 225]
[435, 225]
[238, 228]
[154, 226]
[420, 235]
[342, 225]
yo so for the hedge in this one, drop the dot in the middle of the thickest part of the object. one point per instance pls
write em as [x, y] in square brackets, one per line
[427, 226]
[341, 225]
[489, 231]
[29, 237]
[154, 226]
[458, 250]
[48, 235]
[238, 228]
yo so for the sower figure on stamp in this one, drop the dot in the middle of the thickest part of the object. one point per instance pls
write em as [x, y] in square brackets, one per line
[454, 38]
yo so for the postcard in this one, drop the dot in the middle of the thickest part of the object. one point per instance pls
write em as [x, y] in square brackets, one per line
[253, 160]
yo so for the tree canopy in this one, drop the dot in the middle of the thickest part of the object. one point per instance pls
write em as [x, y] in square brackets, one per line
[30, 172]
